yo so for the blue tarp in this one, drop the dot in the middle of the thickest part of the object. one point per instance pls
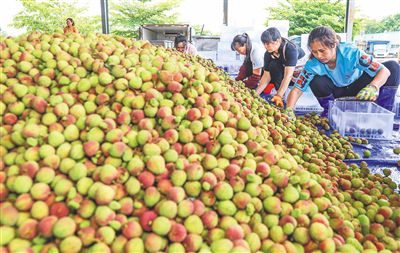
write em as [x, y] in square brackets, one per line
[382, 155]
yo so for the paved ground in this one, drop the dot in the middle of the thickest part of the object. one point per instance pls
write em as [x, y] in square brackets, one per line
[386, 59]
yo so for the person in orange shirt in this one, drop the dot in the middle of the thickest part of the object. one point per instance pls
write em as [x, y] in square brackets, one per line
[70, 28]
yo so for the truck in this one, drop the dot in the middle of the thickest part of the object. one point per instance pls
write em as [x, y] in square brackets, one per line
[378, 48]
[164, 34]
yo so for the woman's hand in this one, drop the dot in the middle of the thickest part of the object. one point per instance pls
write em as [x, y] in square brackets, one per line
[370, 93]
[287, 77]
[293, 96]
[265, 79]
[277, 100]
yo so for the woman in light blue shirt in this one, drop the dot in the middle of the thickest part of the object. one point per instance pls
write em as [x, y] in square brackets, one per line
[342, 70]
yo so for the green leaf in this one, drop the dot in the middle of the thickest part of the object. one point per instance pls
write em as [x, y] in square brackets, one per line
[127, 16]
[304, 16]
[50, 16]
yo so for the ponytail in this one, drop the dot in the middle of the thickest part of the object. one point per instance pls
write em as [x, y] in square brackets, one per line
[248, 47]
[242, 40]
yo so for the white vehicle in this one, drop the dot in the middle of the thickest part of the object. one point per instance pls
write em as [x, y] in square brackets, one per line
[164, 34]
[380, 50]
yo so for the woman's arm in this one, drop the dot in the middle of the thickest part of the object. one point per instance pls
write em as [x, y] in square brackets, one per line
[381, 77]
[288, 74]
[257, 71]
[371, 91]
[369, 65]
[265, 79]
[294, 95]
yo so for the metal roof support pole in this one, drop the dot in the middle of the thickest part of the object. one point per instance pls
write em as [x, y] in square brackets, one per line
[348, 27]
[225, 21]
[104, 16]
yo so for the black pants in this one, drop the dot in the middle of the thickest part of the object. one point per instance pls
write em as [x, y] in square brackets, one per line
[277, 71]
[322, 86]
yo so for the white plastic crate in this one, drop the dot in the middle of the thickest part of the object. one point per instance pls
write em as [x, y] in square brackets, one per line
[231, 67]
[306, 103]
[164, 43]
[361, 119]
[227, 55]
[396, 106]
[396, 110]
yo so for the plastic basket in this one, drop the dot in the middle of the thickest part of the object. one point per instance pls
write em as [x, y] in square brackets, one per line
[231, 67]
[306, 103]
[396, 110]
[361, 119]
[164, 43]
[396, 105]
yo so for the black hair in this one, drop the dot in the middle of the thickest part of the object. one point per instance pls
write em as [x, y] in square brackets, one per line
[242, 39]
[325, 35]
[72, 21]
[271, 34]
[180, 38]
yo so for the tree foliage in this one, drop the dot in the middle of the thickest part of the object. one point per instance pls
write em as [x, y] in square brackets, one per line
[392, 23]
[49, 16]
[304, 16]
[388, 24]
[127, 15]
[199, 30]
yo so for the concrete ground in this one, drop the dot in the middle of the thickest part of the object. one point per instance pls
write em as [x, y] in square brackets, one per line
[387, 59]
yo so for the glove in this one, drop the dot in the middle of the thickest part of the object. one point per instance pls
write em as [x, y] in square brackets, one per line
[370, 92]
[242, 73]
[277, 100]
[252, 81]
[290, 114]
